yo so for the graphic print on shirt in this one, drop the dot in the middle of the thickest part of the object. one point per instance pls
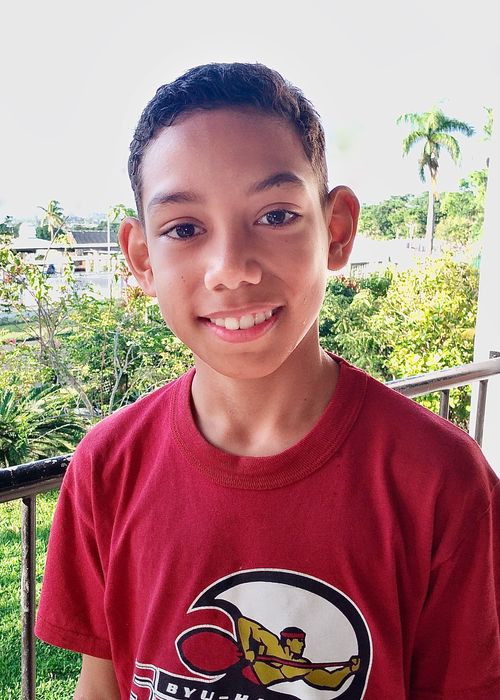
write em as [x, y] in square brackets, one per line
[290, 637]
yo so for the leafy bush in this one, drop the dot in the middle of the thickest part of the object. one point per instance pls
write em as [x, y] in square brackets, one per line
[38, 425]
[106, 351]
[405, 323]
[345, 322]
[427, 322]
[119, 350]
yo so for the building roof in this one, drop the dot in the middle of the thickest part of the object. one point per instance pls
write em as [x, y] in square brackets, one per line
[90, 239]
[92, 236]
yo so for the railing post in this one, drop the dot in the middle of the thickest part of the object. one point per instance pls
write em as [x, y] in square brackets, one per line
[28, 583]
[480, 412]
[444, 404]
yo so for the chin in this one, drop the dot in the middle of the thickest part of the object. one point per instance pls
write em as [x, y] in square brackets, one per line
[240, 368]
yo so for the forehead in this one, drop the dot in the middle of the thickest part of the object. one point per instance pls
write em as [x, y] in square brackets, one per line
[227, 148]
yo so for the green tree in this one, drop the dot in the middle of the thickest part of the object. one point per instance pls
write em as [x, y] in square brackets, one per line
[37, 425]
[44, 318]
[345, 322]
[108, 352]
[435, 129]
[9, 229]
[120, 349]
[462, 212]
[426, 322]
[53, 223]
[400, 216]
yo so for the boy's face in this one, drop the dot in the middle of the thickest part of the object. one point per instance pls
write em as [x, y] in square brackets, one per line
[236, 244]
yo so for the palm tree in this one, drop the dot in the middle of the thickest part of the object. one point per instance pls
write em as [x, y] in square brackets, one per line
[37, 425]
[53, 217]
[434, 129]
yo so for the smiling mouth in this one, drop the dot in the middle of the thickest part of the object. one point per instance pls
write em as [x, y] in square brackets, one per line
[232, 323]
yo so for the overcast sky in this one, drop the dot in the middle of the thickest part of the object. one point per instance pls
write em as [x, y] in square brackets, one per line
[75, 77]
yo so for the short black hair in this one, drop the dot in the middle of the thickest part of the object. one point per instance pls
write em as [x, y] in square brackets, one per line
[217, 85]
[292, 633]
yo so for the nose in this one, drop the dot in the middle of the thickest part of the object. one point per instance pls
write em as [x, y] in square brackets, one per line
[232, 262]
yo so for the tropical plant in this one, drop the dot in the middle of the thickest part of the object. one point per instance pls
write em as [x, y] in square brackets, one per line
[8, 229]
[435, 129]
[400, 216]
[120, 349]
[38, 425]
[44, 318]
[53, 223]
[426, 322]
[346, 317]
[400, 324]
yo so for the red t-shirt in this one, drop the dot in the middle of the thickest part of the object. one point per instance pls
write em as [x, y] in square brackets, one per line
[359, 563]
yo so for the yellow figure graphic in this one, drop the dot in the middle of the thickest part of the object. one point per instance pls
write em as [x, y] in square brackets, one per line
[276, 659]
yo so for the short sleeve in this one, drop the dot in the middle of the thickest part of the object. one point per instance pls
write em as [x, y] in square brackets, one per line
[457, 646]
[71, 613]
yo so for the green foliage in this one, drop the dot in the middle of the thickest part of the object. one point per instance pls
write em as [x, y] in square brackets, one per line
[38, 425]
[108, 352]
[426, 322]
[458, 215]
[456, 229]
[377, 283]
[401, 324]
[462, 212]
[395, 217]
[53, 223]
[345, 320]
[434, 129]
[114, 216]
[20, 368]
[119, 350]
[9, 229]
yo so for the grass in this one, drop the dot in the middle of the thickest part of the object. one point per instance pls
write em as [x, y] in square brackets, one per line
[57, 670]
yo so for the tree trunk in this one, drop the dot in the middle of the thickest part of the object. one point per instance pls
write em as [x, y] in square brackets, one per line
[429, 229]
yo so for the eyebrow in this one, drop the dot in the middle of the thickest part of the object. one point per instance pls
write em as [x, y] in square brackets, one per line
[163, 198]
[285, 178]
[267, 183]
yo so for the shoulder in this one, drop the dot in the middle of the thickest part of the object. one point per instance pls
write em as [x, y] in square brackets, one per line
[130, 436]
[144, 415]
[410, 438]
[426, 470]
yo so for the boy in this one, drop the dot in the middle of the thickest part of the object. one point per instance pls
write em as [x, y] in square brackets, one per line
[274, 524]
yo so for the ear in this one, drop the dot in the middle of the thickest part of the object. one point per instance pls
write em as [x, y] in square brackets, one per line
[343, 214]
[134, 246]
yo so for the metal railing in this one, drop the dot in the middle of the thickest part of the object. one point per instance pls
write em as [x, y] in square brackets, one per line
[26, 481]
[446, 379]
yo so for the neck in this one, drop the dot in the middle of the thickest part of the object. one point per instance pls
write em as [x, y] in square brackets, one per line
[265, 415]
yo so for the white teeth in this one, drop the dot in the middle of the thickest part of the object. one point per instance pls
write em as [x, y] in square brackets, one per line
[232, 324]
[248, 321]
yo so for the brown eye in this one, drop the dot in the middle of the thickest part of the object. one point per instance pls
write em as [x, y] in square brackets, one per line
[186, 230]
[277, 217]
